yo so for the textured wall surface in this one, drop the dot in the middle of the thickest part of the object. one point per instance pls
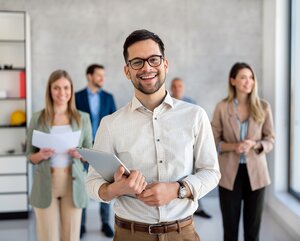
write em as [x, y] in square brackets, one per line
[203, 39]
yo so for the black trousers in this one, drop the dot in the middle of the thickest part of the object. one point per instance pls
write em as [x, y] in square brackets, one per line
[231, 204]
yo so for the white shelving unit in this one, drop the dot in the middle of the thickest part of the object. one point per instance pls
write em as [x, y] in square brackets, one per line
[15, 94]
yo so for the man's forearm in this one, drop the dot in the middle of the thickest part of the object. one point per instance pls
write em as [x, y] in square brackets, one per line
[107, 192]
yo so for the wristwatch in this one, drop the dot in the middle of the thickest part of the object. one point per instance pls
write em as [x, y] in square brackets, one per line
[182, 190]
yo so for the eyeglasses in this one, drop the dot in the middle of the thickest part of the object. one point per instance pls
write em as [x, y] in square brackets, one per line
[138, 63]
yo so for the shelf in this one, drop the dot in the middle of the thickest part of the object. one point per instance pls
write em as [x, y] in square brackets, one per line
[15, 90]
[11, 98]
[14, 215]
[14, 69]
[12, 41]
[12, 174]
[4, 154]
[10, 126]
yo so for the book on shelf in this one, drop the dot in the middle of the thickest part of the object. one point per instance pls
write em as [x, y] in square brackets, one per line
[22, 77]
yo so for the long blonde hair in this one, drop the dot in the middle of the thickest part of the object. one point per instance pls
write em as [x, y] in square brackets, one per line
[256, 106]
[47, 115]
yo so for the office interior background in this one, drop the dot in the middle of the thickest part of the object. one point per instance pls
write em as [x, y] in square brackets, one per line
[203, 39]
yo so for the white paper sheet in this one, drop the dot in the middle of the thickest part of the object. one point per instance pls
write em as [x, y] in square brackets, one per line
[61, 143]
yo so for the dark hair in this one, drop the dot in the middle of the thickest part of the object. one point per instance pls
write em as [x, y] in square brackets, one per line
[92, 67]
[139, 35]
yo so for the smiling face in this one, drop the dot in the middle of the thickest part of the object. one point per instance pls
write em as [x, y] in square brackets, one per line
[147, 80]
[61, 91]
[244, 81]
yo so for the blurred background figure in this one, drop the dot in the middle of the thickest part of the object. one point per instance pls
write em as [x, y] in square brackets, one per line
[58, 192]
[178, 89]
[243, 130]
[98, 103]
[177, 92]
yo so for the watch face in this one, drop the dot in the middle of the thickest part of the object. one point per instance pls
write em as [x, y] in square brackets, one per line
[182, 192]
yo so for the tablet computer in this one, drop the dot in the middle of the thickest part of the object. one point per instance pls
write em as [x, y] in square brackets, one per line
[104, 163]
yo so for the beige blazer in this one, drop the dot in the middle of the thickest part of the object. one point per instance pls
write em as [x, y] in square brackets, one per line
[226, 129]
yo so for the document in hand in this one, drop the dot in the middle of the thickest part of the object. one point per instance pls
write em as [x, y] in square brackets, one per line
[104, 163]
[61, 143]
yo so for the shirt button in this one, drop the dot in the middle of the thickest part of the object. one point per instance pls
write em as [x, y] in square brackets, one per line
[155, 118]
[160, 161]
[157, 140]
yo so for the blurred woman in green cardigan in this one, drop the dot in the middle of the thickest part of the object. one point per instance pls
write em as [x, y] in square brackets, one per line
[58, 192]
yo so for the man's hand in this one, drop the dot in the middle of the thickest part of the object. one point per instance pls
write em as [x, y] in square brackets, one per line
[133, 184]
[159, 193]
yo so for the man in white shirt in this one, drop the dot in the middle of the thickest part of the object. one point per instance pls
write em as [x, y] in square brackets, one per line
[177, 91]
[167, 144]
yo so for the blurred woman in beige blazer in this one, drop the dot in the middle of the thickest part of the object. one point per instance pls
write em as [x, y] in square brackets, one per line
[243, 130]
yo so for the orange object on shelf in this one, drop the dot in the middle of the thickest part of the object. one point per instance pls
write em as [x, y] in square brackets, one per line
[22, 77]
[18, 118]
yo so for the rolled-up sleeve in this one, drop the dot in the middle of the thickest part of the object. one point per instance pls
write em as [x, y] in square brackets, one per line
[207, 173]
[93, 182]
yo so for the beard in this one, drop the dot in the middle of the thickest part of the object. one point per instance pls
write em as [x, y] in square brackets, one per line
[148, 91]
[97, 85]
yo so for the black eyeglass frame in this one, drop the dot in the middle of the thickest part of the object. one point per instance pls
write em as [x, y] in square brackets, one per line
[144, 60]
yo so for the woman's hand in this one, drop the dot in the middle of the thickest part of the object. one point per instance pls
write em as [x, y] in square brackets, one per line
[249, 144]
[46, 153]
[244, 146]
[74, 153]
[239, 147]
[42, 154]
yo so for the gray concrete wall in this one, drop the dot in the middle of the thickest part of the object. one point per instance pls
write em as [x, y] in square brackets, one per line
[203, 39]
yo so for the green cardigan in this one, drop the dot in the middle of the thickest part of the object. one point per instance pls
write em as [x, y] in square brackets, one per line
[40, 196]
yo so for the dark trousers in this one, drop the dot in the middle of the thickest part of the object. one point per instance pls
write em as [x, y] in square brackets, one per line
[231, 203]
[104, 208]
[104, 213]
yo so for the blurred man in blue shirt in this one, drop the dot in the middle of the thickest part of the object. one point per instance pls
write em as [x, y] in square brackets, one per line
[98, 103]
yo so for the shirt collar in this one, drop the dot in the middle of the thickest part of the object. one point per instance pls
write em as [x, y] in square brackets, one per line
[135, 103]
[92, 93]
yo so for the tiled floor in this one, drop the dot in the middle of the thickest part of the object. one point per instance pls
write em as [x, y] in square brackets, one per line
[208, 229]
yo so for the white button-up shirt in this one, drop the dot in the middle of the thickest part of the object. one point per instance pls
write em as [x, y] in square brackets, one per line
[173, 142]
